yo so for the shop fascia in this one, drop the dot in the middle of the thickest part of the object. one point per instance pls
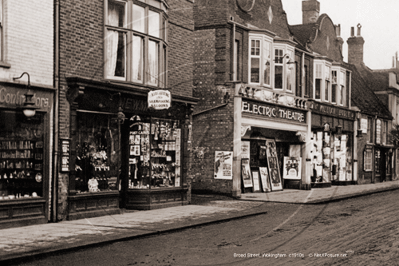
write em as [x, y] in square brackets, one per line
[273, 111]
[16, 97]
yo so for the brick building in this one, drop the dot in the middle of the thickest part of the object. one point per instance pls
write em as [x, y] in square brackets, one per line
[26, 112]
[124, 154]
[378, 157]
[274, 106]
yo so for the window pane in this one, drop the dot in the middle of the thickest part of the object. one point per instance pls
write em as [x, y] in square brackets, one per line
[153, 24]
[255, 47]
[116, 14]
[278, 77]
[115, 58]
[266, 63]
[342, 95]
[138, 18]
[235, 60]
[152, 62]
[318, 89]
[278, 56]
[255, 70]
[137, 61]
[326, 89]
[155, 3]
[334, 93]
[290, 76]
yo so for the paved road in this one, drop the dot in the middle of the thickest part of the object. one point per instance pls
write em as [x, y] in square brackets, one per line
[358, 231]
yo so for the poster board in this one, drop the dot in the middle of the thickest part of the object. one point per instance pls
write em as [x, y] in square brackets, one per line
[255, 178]
[245, 148]
[224, 165]
[246, 173]
[292, 168]
[272, 161]
[264, 177]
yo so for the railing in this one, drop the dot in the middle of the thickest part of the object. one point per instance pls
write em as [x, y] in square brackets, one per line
[273, 96]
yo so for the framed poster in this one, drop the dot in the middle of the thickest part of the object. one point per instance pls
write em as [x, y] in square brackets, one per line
[245, 147]
[264, 177]
[255, 178]
[274, 172]
[292, 168]
[246, 173]
[224, 165]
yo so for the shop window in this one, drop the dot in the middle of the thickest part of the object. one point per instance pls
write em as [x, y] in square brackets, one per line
[142, 39]
[154, 154]
[368, 160]
[21, 155]
[97, 153]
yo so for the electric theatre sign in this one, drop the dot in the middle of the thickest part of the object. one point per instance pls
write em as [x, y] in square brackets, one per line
[272, 111]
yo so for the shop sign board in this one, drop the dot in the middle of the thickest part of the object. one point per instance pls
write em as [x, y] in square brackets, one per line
[159, 99]
[332, 111]
[224, 165]
[15, 97]
[363, 125]
[273, 111]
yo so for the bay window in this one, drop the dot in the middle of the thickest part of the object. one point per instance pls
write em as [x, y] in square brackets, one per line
[342, 91]
[278, 68]
[318, 80]
[260, 60]
[135, 46]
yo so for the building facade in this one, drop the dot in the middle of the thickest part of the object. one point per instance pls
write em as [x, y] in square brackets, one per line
[379, 160]
[26, 112]
[274, 106]
[124, 152]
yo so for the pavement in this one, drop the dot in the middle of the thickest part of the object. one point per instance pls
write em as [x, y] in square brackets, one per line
[22, 243]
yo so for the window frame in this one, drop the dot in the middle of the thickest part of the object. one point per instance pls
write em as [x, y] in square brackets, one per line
[287, 62]
[368, 160]
[130, 32]
[263, 40]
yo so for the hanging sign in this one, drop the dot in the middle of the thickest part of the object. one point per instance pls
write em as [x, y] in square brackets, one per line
[159, 99]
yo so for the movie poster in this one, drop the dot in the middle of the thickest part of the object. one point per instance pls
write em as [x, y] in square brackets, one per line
[292, 168]
[246, 173]
[224, 165]
[274, 173]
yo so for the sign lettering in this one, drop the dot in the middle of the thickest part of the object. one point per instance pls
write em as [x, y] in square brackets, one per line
[274, 111]
[333, 111]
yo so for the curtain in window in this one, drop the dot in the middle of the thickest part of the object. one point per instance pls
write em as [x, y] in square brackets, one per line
[112, 41]
[137, 58]
[152, 62]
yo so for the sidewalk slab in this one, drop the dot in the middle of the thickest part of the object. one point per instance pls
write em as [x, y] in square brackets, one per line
[321, 195]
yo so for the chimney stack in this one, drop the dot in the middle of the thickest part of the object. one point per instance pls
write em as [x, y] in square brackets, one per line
[355, 46]
[339, 38]
[310, 11]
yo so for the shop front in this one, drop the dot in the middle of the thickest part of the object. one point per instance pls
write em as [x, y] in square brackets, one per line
[332, 145]
[127, 155]
[25, 154]
[273, 146]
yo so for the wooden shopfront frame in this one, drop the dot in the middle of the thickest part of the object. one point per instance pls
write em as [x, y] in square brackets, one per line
[29, 210]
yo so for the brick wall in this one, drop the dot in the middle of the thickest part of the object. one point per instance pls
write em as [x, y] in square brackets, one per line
[181, 47]
[29, 41]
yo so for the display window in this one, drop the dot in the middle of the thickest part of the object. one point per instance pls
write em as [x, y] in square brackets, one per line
[332, 157]
[97, 153]
[154, 153]
[21, 155]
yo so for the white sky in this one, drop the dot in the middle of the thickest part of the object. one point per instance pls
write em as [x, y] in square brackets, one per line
[379, 20]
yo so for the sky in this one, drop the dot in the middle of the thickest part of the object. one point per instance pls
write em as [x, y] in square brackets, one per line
[379, 20]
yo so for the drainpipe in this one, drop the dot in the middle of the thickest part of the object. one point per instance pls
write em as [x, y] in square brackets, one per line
[56, 110]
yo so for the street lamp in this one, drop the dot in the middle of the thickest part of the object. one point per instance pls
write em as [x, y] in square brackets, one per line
[29, 108]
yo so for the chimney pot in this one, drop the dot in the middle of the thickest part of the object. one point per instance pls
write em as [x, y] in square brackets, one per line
[359, 28]
[352, 31]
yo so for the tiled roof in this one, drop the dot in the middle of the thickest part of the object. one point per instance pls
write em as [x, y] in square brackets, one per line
[363, 96]
[303, 32]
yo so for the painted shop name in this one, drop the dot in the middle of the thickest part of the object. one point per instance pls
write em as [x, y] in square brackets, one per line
[273, 112]
[15, 97]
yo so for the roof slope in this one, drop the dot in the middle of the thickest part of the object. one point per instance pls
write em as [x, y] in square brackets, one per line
[363, 96]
